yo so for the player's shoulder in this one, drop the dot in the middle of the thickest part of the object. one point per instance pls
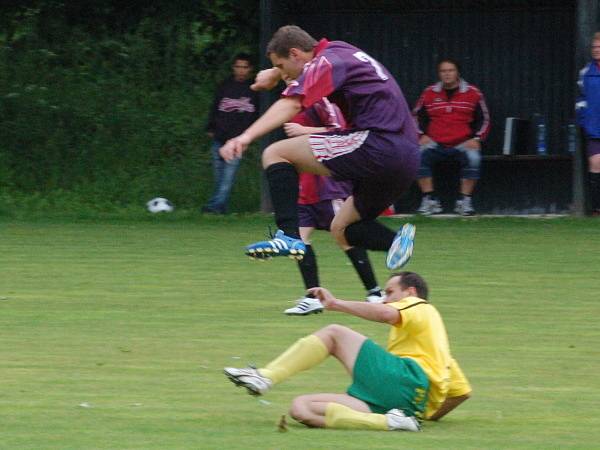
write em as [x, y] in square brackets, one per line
[408, 303]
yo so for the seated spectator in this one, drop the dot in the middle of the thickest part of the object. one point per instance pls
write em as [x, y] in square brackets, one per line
[453, 120]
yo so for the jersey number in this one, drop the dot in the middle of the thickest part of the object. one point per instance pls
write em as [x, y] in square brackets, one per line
[362, 56]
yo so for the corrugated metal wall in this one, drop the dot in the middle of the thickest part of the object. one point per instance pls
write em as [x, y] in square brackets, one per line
[520, 53]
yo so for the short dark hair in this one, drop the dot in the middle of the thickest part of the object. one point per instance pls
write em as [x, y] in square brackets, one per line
[243, 57]
[287, 37]
[412, 279]
[448, 60]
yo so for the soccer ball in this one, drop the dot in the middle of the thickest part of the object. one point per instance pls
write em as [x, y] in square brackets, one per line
[160, 204]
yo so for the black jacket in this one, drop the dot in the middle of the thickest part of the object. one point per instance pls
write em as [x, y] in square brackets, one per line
[234, 108]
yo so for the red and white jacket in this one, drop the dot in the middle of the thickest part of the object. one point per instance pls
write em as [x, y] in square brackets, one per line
[452, 120]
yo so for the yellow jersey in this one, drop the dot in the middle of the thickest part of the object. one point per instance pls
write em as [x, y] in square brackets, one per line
[421, 336]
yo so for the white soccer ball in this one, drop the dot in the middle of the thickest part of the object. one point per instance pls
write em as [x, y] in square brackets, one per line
[160, 204]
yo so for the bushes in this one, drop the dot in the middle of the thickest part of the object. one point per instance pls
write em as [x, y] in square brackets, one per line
[107, 109]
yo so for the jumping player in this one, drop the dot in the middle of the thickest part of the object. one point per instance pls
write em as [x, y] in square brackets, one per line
[378, 153]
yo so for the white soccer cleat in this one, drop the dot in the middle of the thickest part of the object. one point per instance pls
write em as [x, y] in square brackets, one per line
[250, 378]
[398, 421]
[375, 298]
[305, 306]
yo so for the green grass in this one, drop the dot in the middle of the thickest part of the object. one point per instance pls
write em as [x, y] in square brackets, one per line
[136, 318]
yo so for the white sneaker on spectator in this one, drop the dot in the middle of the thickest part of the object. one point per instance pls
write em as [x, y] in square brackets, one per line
[429, 206]
[398, 421]
[305, 306]
[464, 207]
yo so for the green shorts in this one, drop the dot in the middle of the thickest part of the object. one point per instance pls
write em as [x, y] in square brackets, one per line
[385, 381]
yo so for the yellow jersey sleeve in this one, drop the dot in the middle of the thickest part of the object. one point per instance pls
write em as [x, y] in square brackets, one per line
[459, 385]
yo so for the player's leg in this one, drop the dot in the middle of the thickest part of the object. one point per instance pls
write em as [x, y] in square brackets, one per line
[307, 352]
[282, 162]
[342, 411]
[594, 169]
[308, 268]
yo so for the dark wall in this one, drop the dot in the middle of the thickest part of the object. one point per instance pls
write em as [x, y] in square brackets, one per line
[520, 53]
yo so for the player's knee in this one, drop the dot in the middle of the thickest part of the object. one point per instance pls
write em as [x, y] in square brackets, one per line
[271, 155]
[334, 330]
[337, 230]
[299, 409]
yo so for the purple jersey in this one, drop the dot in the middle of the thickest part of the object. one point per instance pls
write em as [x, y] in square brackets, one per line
[367, 94]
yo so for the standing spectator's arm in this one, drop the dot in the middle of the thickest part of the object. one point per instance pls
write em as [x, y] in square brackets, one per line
[481, 120]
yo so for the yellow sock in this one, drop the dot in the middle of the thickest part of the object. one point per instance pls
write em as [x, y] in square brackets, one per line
[340, 416]
[305, 353]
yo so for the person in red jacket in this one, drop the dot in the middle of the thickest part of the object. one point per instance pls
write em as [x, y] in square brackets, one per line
[453, 120]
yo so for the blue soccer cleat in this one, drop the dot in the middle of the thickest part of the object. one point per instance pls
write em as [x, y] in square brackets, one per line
[402, 247]
[280, 245]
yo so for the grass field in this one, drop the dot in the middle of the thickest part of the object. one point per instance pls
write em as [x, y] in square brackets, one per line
[114, 334]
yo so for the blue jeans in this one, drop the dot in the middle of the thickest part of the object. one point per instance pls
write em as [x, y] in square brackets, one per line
[470, 160]
[224, 176]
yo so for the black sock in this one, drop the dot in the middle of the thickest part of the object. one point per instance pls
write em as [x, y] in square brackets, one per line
[309, 269]
[430, 194]
[360, 261]
[595, 190]
[283, 186]
[370, 234]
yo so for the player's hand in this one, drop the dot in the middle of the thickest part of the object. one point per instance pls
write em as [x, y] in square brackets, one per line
[266, 80]
[293, 129]
[324, 296]
[471, 144]
[425, 140]
[234, 147]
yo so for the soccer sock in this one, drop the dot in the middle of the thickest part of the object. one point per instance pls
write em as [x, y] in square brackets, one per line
[283, 186]
[430, 194]
[303, 354]
[362, 265]
[343, 417]
[595, 190]
[370, 234]
[309, 269]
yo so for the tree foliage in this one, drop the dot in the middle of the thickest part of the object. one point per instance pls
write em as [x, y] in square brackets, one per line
[104, 102]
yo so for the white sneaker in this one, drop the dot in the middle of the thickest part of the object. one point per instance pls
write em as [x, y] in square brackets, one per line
[429, 206]
[375, 298]
[398, 421]
[249, 378]
[305, 306]
[464, 207]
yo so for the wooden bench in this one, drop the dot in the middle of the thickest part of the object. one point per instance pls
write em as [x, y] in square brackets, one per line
[515, 184]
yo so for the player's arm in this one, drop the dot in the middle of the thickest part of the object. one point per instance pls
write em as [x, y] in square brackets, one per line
[375, 312]
[295, 129]
[279, 113]
[449, 404]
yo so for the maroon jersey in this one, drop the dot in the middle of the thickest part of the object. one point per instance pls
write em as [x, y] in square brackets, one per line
[367, 94]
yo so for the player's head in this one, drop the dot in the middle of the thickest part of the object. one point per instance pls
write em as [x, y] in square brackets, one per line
[596, 46]
[289, 49]
[242, 66]
[405, 284]
[448, 71]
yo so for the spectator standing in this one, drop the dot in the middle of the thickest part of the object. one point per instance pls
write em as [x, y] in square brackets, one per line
[234, 108]
[453, 120]
[588, 117]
